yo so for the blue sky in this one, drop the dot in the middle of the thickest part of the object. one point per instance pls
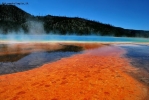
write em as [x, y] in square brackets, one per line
[130, 14]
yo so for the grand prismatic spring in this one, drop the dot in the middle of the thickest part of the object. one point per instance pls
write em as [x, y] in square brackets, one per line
[73, 68]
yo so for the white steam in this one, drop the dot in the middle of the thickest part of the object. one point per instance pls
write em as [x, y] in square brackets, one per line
[35, 27]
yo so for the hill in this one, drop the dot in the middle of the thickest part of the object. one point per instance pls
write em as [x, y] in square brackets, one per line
[13, 19]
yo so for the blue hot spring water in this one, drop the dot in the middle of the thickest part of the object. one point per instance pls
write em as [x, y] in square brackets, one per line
[67, 38]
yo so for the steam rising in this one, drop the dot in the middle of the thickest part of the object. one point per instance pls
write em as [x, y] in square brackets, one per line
[37, 34]
[35, 27]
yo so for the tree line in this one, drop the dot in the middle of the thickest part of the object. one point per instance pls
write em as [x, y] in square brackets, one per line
[12, 19]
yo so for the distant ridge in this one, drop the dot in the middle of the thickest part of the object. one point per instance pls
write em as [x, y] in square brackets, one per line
[12, 13]
[14, 19]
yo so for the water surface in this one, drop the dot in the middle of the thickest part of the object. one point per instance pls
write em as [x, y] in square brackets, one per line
[139, 54]
[139, 58]
[10, 63]
[70, 38]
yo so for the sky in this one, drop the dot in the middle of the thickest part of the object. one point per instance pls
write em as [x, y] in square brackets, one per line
[128, 14]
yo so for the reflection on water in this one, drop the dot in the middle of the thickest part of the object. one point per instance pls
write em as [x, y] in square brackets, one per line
[139, 56]
[11, 57]
[11, 63]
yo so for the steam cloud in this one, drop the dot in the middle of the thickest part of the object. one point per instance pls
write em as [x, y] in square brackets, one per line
[35, 29]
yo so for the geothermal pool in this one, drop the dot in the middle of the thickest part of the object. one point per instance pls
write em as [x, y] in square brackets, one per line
[68, 38]
[15, 58]
[38, 67]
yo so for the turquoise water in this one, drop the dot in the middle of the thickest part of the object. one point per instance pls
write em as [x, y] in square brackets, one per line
[46, 38]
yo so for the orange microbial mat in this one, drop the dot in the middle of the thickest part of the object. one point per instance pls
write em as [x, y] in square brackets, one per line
[98, 73]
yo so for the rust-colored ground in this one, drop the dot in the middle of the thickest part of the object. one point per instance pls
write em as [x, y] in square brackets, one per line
[21, 48]
[97, 74]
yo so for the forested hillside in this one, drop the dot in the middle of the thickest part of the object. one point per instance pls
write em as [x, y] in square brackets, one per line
[13, 19]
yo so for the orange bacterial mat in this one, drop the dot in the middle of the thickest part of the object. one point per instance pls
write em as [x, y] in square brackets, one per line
[96, 74]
